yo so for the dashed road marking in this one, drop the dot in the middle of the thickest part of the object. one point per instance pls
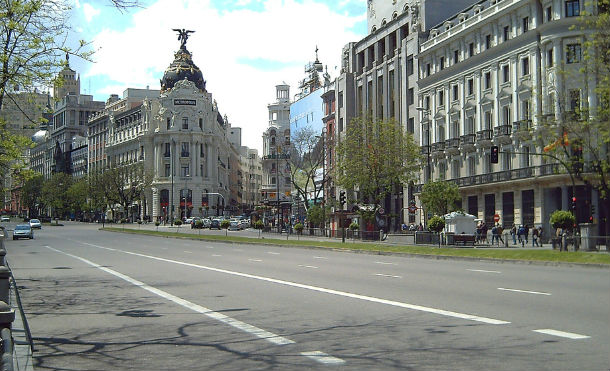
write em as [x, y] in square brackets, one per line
[320, 257]
[273, 253]
[188, 252]
[216, 255]
[387, 275]
[525, 291]
[323, 358]
[569, 335]
[307, 266]
[385, 263]
[482, 271]
[255, 260]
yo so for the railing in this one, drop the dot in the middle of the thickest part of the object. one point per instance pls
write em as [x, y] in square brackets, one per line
[502, 130]
[438, 146]
[452, 143]
[282, 156]
[184, 154]
[468, 139]
[425, 150]
[522, 125]
[484, 134]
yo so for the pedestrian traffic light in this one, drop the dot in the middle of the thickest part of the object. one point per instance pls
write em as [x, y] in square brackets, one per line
[342, 198]
[574, 205]
[494, 154]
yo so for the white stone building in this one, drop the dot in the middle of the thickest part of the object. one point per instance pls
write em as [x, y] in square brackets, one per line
[489, 75]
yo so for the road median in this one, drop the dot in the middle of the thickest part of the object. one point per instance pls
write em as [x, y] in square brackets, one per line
[593, 259]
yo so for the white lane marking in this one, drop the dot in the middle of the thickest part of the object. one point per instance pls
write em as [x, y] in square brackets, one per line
[255, 260]
[569, 335]
[273, 253]
[164, 248]
[239, 250]
[483, 271]
[188, 252]
[320, 257]
[442, 312]
[387, 275]
[216, 255]
[524, 291]
[323, 358]
[258, 332]
[307, 266]
[386, 263]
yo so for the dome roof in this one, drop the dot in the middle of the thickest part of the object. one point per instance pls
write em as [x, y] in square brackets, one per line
[182, 68]
[40, 136]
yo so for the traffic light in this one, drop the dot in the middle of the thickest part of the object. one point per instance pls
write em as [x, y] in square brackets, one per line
[494, 154]
[574, 205]
[592, 209]
[342, 198]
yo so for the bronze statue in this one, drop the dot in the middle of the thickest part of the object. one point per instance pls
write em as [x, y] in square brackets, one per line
[183, 35]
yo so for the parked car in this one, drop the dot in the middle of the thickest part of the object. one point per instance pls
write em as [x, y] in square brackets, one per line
[35, 224]
[234, 225]
[215, 224]
[5, 218]
[23, 231]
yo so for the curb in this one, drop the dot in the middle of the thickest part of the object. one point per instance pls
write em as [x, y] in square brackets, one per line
[390, 253]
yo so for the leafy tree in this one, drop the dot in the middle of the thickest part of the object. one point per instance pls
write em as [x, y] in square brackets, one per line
[563, 219]
[31, 195]
[436, 224]
[78, 196]
[316, 215]
[306, 162]
[375, 157]
[55, 193]
[440, 197]
[127, 183]
[585, 131]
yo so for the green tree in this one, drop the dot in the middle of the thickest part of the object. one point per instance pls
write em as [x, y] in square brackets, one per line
[376, 157]
[78, 196]
[55, 193]
[563, 219]
[306, 162]
[31, 195]
[127, 183]
[316, 215]
[440, 197]
[436, 224]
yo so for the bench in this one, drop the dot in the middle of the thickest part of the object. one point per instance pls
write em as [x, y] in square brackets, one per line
[463, 239]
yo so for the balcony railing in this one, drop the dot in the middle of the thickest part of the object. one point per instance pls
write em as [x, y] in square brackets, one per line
[184, 154]
[522, 125]
[483, 135]
[452, 143]
[467, 139]
[282, 156]
[502, 130]
[438, 146]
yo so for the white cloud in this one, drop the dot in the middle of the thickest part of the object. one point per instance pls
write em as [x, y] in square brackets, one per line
[89, 11]
[287, 31]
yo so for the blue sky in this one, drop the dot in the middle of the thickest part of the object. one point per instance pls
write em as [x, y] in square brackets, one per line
[243, 47]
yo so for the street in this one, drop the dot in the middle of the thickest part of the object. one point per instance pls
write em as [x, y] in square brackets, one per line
[102, 300]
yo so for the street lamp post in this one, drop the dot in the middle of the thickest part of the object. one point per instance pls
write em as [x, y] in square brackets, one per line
[171, 159]
[277, 186]
[426, 114]
[186, 193]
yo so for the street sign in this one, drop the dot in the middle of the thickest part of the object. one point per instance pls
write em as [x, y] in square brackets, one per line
[496, 218]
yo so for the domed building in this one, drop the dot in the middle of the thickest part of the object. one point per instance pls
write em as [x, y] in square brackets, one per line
[181, 138]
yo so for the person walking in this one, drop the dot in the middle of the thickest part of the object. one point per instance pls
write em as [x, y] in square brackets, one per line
[494, 234]
[527, 233]
[520, 233]
[535, 238]
[500, 230]
[513, 232]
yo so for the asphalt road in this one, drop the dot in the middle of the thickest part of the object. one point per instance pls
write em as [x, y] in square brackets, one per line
[100, 300]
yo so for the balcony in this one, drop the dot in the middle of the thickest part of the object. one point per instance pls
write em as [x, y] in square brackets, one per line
[184, 154]
[502, 134]
[282, 156]
[452, 146]
[467, 142]
[522, 129]
[438, 149]
[425, 150]
[484, 138]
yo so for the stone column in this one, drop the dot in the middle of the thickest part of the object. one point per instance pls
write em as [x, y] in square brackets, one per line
[557, 53]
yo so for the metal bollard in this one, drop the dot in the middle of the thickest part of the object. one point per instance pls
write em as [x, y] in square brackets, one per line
[7, 315]
[5, 274]
[2, 255]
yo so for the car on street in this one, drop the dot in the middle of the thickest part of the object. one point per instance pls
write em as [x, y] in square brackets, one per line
[206, 222]
[35, 224]
[23, 231]
[5, 218]
[234, 225]
[215, 224]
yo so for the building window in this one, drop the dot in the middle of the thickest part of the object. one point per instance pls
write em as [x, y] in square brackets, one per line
[340, 124]
[549, 14]
[168, 150]
[442, 63]
[167, 170]
[488, 42]
[508, 209]
[574, 96]
[549, 57]
[470, 49]
[487, 80]
[527, 207]
[169, 123]
[471, 167]
[506, 33]
[410, 96]
[201, 123]
[411, 125]
[409, 65]
[185, 150]
[441, 98]
[455, 93]
[428, 69]
[573, 53]
[506, 115]
[185, 122]
[455, 169]
[427, 103]
[572, 8]
[201, 150]
[470, 86]
[506, 161]
[526, 24]
[505, 73]
[185, 171]
[473, 205]
[525, 66]
[488, 121]
[456, 56]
